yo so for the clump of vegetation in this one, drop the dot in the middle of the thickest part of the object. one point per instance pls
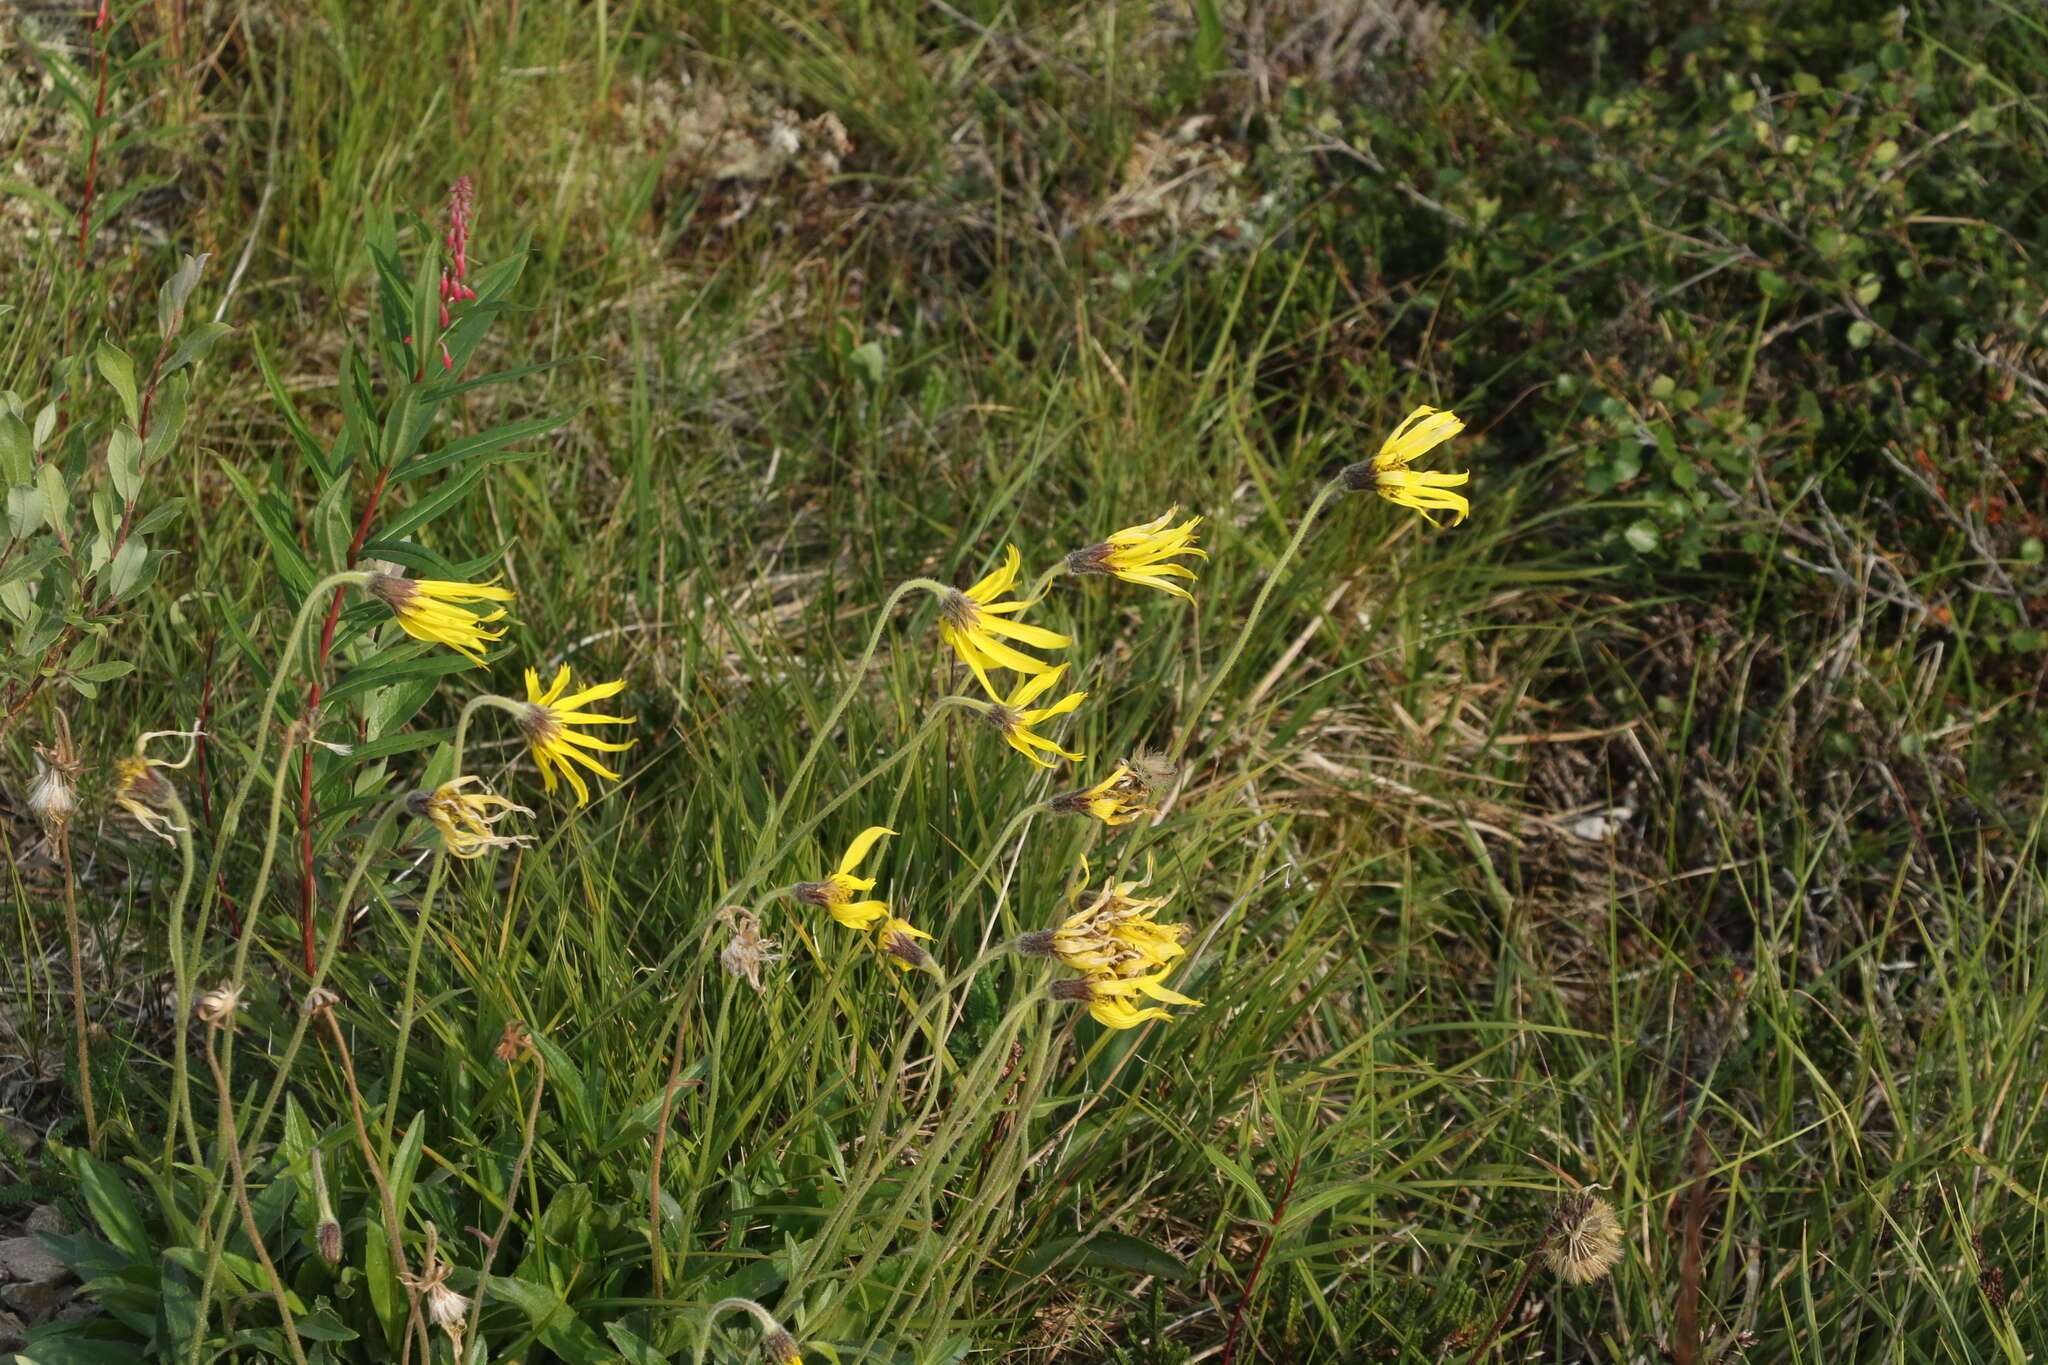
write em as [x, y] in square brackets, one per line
[595, 781]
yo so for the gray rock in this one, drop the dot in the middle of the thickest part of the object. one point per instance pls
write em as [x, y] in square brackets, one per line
[12, 1330]
[18, 1135]
[47, 1218]
[36, 1300]
[26, 1258]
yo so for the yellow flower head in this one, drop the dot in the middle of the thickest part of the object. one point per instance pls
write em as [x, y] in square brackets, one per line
[898, 938]
[835, 895]
[1015, 716]
[465, 818]
[1144, 554]
[557, 747]
[145, 793]
[1114, 933]
[1108, 997]
[1388, 474]
[971, 621]
[1116, 800]
[425, 610]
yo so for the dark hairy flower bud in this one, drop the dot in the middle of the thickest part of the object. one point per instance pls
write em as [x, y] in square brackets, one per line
[780, 1348]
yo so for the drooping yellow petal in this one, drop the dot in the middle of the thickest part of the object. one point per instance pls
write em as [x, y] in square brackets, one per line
[858, 849]
[1420, 432]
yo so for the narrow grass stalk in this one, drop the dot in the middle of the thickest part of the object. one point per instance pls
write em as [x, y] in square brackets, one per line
[497, 1238]
[1199, 716]
[839, 704]
[75, 950]
[239, 1176]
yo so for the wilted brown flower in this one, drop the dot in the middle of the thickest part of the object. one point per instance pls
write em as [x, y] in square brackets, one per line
[515, 1043]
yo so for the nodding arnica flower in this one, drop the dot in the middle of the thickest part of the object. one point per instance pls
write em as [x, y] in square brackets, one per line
[897, 938]
[970, 623]
[144, 792]
[1584, 1240]
[747, 951]
[835, 894]
[1114, 932]
[465, 818]
[780, 1348]
[217, 1007]
[1108, 997]
[1116, 800]
[1147, 554]
[557, 748]
[426, 609]
[1425, 490]
[1014, 716]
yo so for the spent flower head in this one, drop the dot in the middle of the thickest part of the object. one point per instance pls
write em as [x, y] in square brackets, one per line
[465, 818]
[53, 791]
[217, 1007]
[975, 624]
[426, 609]
[144, 792]
[1014, 716]
[1116, 800]
[1388, 474]
[549, 723]
[1584, 1240]
[835, 893]
[747, 951]
[1147, 554]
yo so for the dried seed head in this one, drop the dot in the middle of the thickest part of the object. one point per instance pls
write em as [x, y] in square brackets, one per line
[448, 1310]
[1152, 767]
[217, 1007]
[53, 792]
[1585, 1238]
[780, 1348]
[747, 952]
[320, 1000]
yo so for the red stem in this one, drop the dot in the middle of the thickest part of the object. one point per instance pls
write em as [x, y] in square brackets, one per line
[1259, 1264]
[100, 23]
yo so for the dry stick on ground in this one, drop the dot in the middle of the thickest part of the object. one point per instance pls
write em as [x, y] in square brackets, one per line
[1687, 1342]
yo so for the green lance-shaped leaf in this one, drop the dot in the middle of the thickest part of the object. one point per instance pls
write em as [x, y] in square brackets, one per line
[119, 371]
